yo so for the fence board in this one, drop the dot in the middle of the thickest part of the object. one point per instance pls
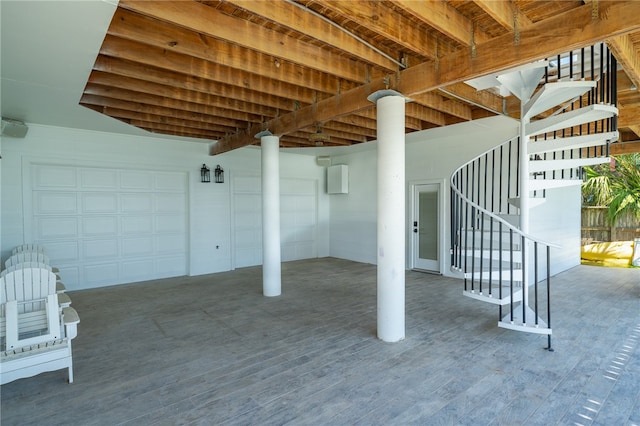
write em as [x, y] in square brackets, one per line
[596, 226]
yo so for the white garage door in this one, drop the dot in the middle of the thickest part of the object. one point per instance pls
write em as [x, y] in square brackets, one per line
[105, 226]
[298, 220]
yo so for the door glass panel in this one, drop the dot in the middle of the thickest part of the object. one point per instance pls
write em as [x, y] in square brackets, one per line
[428, 226]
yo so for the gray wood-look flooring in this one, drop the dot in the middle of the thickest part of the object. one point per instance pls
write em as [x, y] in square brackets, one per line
[212, 350]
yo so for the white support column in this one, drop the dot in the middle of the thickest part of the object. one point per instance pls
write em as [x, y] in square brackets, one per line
[391, 215]
[271, 269]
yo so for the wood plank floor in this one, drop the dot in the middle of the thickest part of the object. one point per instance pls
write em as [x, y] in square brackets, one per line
[212, 350]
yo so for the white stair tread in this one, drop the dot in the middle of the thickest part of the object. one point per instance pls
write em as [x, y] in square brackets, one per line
[571, 142]
[533, 202]
[518, 325]
[494, 254]
[554, 94]
[571, 118]
[496, 275]
[522, 82]
[494, 297]
[536, 166]
[540, 184]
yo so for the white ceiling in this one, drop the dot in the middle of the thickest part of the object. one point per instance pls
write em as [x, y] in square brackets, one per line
[48, 48]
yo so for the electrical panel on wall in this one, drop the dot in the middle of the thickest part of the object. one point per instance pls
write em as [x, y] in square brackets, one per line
[338, 179]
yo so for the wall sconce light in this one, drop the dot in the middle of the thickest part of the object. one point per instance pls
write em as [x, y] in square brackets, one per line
[219, 174]
[205, 174]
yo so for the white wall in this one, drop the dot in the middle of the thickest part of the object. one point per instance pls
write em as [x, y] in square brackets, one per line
[434, 155]
[209, 204]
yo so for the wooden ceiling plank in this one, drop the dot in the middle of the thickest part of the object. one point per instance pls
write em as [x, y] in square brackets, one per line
[219, 108]
[171, 115]
[446, 19]
[269, 104]
[377, 17]
[439, 103]
[305, 22]
[135, 27]
[134, 59]
[504, 12]
[563, 32]
[482, 98]
[210, 21]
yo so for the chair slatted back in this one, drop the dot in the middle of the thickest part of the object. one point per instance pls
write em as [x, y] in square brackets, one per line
[29, 248]
[27, 256]
[29, 307]
[30, 285]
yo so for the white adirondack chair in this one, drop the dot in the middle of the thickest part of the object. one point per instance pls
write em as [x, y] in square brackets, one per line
[35, 334]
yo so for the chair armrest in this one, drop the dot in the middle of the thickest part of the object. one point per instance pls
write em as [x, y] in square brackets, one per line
[64, 301]
[70, 319]
[60, 288]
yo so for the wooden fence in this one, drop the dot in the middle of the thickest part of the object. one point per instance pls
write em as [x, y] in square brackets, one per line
[596, 226]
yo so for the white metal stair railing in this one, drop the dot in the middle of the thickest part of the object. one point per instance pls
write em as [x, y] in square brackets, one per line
[501, 263]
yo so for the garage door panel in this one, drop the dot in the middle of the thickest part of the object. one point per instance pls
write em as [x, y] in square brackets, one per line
[169, 224]
[100, 249]
[167, 181]
[169, 266]
[136, 270]
[48, 227]
[136, 203]
[96, 275]
[136, 180]
[98, 226]
[99, 202]
[51, 203]
[55, 177]
[136, 224]
[170, 243]
[62, 251]
[99, 179]
[137, 246]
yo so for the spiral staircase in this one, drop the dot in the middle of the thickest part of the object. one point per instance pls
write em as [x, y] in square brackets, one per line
[567, 120]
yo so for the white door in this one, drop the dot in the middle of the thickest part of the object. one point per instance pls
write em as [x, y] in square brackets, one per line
[426, 235]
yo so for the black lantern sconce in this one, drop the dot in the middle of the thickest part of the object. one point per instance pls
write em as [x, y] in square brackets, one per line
[205, 174]
[219, 174]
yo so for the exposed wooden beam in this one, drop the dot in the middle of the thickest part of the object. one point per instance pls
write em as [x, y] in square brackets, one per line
[629, 115]
[209, 21]
[625, 52]
[303, 21]
[620, 148]
[504, 12]
[635, 129]
[446, 19]
[567, 31]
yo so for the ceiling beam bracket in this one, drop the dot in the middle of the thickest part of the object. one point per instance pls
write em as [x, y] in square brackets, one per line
[595, 9]
[516, 27]
[473, 41]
